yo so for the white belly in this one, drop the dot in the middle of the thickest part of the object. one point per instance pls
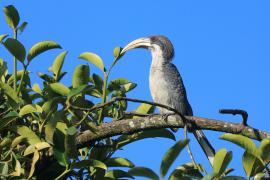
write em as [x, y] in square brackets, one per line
[160, 89]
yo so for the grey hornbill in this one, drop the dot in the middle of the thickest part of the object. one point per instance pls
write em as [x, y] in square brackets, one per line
[166, 84]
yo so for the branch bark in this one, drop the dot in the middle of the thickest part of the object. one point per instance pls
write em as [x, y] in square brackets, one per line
[129, 126]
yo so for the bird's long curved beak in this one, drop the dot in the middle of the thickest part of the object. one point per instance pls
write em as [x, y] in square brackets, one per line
[138, 43]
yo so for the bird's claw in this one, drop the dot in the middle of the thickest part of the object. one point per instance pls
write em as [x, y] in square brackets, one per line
[165, 116]
[152, 115]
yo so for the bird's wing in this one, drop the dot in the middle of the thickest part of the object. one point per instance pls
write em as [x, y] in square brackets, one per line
[183, 106]
[179, 96]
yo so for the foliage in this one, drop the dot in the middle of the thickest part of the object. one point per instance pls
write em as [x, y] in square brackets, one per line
[39, 122]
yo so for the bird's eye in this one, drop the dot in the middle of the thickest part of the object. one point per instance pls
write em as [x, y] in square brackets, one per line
[161, 45]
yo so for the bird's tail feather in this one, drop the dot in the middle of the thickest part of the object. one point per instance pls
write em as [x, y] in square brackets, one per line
[205, 144]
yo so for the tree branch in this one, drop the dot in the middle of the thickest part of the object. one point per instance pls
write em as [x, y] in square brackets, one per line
[243, 113]
[129, 126]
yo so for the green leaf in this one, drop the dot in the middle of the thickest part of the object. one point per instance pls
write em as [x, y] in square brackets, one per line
[62, 127]
[30, 135]
[5, 142]
[175, 175]
[59, 145]
[115, 83]
[242, 141]
[145, 109]
[98, 81]
[3, 69]
[88, 163]
[117, 52]
[2, 37]
[33, 164]
[12, 16]
[8, 118]
[46, 77]
[49, 106]
[171, 155]
[228, 171]
[259, 176]
[143, 172]
[19, 76]
[15, 48]
[4, 168]
[51, 125]
[61, 157]
[80, 76]
[36, 88]
[248, 162]
[71, 131]
[17, 141]
[127, 139]
[38, 146]
[70, 144]
[129, 86]
[30, 108]
[60, 88]
[119, 162]
[22, 26]
[42, 145]
[81, 102]
[94, 92]
[10, 92]
[94, 59]
[77, 91]
[221, 161]
[209, 177]
[187, 170]
[17, 168]
[41, 47]
[58, 64]
[251, 164]
[121, 84]
[117, 174]
[264, 149]
[62, 74]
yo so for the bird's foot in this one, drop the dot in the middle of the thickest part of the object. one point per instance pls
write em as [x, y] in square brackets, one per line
[165, 116]
[152, 115]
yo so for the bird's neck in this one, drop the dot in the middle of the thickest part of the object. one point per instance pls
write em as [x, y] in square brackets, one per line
[158, 60]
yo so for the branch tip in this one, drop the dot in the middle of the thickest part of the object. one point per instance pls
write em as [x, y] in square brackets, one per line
[243, 113]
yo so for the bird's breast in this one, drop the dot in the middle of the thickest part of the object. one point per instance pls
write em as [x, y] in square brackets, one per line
[160, 87]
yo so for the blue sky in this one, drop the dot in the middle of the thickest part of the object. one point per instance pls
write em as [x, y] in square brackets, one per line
[222, 51]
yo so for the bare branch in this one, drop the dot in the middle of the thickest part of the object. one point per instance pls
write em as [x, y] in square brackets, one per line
[243, 113]
[129, 126]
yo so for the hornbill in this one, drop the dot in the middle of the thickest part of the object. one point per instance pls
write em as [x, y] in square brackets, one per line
[166, 84]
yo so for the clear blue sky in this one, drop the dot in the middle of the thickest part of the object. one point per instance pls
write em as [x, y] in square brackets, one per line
[222, 50]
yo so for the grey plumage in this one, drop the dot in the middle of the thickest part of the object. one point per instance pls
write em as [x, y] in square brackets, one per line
[166, 84]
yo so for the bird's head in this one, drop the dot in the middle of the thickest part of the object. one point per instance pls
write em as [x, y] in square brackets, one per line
[160, 45]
